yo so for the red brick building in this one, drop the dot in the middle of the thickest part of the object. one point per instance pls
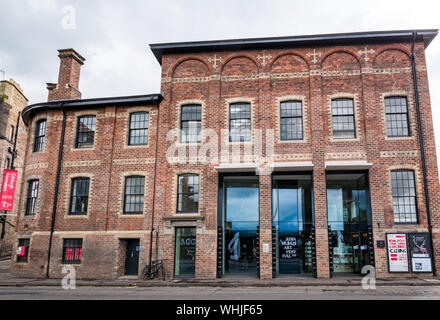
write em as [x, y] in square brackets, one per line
[261, 158]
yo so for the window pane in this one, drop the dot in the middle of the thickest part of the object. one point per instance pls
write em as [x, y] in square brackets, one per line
[397, 117]
[240, 122]
[291, 129]
[72, 251]
[342, 107]
[138, 128]
[191, 123]
[85, 135]
[291, 120]
[291, 109]
[343, 119]
[188, 193]
[134, 194]
[79, 196]
[31, 201]
[40, 132]
[404, 196]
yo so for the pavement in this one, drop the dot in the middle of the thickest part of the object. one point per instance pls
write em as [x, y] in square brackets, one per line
[7, 280]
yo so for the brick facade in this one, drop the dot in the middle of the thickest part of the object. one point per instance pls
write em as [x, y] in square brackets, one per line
[264, 78]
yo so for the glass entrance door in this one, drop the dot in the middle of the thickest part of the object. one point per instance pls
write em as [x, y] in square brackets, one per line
[185, 252]
[349, 215]
[241, 214]
[361, 255]
[292, 217]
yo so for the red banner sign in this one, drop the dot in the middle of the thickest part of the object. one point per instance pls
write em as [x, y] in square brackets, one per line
[21, 251]
[8, 189]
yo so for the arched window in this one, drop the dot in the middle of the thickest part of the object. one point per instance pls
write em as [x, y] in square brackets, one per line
[239, 122]
[188, 193]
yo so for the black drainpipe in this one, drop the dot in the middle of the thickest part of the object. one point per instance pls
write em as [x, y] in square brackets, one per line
[154, 186]
[57, 185]
[422, 149]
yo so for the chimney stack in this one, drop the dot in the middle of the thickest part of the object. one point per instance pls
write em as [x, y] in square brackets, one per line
[68, 77]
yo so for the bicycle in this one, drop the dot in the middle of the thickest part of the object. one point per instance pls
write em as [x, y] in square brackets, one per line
[150, 271]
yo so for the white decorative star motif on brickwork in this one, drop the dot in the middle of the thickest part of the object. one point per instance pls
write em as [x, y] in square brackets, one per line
[214, 61]
[314, 54]
[264, 57]
[366, 52]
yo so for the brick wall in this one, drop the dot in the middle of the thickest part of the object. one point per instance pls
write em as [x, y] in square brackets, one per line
[339, 71]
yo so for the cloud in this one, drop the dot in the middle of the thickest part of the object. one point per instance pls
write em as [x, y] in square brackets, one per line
[113, 35]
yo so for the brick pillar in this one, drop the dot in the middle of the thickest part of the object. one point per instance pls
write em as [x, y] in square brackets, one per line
[206, 255]
[265, 226]
[380, 204]
[319, 185]
[320, 206]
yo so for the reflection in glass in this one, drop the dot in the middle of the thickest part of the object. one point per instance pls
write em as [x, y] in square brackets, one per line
[185, 252]
[240, 226]
[188, 193]
[348, 208]
[293, 220]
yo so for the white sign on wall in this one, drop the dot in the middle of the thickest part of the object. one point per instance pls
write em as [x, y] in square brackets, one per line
[397, 252]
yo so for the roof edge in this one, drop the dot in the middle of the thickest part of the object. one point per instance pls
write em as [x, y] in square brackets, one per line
[154, 98]
[427, 35]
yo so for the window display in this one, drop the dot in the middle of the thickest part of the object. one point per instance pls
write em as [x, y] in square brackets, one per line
[293, 221]
[348, 207]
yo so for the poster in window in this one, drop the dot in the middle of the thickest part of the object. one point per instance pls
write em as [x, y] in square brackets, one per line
[288, 247]
[21, 251]
[419, 245]
[397, 248]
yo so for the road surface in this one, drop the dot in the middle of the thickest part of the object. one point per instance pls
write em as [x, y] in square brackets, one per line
[217, 293]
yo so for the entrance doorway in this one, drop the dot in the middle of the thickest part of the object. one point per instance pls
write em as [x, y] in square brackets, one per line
[349, 219]
[185, 252]
[240, 222]
[292, 216]
[361, 257]
[132, 257]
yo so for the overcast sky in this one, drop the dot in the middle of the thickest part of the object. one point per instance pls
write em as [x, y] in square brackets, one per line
[113, 35]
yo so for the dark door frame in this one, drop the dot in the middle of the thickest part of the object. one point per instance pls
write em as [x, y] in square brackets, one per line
[128, 272]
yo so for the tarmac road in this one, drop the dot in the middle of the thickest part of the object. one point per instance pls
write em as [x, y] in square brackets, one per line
[218, 293]
[29, 292]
